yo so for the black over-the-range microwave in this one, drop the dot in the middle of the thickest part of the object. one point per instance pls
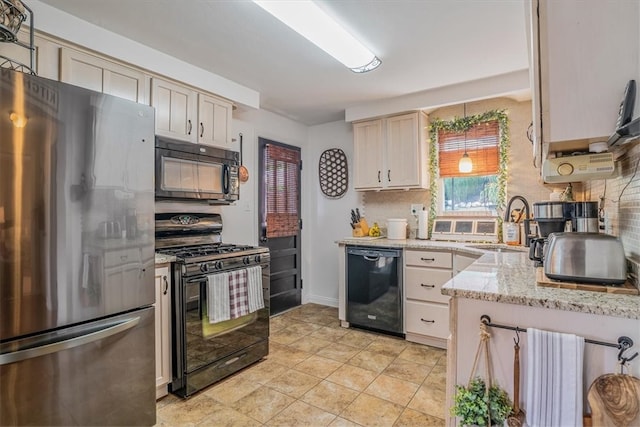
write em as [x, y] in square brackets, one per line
[190, 172]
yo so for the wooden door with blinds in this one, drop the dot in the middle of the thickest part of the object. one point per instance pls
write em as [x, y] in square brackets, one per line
[280, 223]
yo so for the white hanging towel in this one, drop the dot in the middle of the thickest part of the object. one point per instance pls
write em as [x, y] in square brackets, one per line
[554, 379]
[218, 297]
[256, 300]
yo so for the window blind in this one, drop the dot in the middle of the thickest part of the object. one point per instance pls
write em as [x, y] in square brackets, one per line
[282, 169]
[482, 142]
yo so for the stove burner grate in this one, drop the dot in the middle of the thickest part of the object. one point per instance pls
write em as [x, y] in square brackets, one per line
[205, 250]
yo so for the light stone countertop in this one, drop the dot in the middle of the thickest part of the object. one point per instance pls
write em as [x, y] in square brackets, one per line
[510, 277]
[164, 259]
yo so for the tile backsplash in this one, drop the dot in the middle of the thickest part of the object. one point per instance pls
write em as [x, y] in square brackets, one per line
[621, 196]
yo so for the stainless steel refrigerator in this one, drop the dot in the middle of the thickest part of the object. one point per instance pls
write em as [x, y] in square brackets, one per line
[76, 256]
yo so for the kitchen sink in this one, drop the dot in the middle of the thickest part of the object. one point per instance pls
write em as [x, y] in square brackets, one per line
[497, 248]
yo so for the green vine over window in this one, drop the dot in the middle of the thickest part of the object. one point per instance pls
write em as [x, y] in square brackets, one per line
[463, 124]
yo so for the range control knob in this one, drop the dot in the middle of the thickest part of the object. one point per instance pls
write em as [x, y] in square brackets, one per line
[219, 265]
[257, 259]
[204, 268]
[246, 260]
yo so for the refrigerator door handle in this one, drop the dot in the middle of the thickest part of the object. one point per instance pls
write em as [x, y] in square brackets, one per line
[30, 353]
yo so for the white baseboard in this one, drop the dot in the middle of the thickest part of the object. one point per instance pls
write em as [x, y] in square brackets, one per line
[316, 299]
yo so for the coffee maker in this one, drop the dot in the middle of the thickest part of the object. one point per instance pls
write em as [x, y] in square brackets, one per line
[585, 217]
[551, 217]
[559, 217]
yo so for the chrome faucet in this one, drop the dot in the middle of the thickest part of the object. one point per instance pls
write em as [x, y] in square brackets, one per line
[527, 229]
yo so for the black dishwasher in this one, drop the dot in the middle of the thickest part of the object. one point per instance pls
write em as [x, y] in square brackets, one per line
[374, 288]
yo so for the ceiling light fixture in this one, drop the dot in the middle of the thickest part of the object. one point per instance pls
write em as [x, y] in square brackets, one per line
[307, 19]
[465, 165]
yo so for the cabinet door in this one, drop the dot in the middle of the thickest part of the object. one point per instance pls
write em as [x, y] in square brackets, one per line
[175, 110]
[587, 52]
[163, 331]
[367, 153]
[20, 55]
[91, 72]
[214, 121]
[403, 153]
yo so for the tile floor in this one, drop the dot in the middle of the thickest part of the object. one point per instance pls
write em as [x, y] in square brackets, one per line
[320, 374]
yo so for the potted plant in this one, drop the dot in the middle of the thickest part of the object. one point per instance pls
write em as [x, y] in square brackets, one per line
[474, 405]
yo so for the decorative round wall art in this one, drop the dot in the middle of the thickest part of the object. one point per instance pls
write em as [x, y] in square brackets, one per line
[332, 170]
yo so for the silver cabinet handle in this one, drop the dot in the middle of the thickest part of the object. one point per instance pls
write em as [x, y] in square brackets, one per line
[189, 127]
[427, 259]
[30, 353]
[427, 286]
[428, 321]
[201, 129]
[166, 285]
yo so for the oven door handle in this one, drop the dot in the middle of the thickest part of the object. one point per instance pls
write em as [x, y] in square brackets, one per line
[197, 279]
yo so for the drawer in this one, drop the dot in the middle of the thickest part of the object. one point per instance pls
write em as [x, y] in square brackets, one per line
[429, 259]
[427, 319]
[117, 258]
[424, 283]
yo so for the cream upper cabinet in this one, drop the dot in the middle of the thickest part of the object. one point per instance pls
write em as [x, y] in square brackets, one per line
[185, 114]
[391, 153]
[91, 72]
[583, 55]
[368, 150]
[214, 121]
[46, 55]
[175, 110]
[405, 151]
[163, 330]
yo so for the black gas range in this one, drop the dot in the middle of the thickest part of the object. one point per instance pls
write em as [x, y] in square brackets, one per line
[204, 352]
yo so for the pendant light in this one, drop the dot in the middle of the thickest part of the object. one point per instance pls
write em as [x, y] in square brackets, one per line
[465, 165]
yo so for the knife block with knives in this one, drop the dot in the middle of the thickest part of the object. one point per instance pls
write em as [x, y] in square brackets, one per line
[359, 224]
[361, 228]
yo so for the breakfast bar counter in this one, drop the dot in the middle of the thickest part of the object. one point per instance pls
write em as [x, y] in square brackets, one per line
[501, 283]
[505, 274]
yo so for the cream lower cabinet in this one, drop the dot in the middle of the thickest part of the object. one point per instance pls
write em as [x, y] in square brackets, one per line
[391, 153]
[426, 309]
[163, 330]
[91, 72]
[185, 114]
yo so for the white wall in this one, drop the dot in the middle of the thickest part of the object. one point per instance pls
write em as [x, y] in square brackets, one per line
[326, 220]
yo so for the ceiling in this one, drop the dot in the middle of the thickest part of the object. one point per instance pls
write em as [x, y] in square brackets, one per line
[423, 45]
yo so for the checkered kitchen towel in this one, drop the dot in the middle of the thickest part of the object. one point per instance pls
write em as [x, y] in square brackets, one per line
[238, 293]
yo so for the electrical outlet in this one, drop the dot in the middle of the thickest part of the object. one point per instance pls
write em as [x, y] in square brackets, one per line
[416, 207]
